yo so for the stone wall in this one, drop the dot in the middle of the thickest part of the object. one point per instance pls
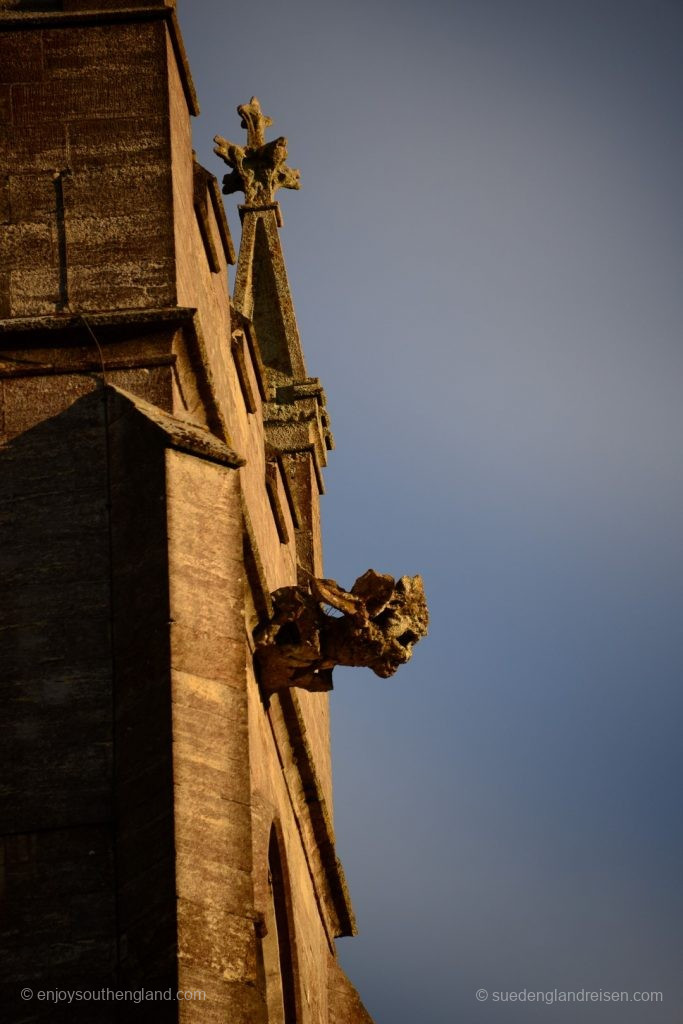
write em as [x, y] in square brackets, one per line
[164, 821]
[85, 197]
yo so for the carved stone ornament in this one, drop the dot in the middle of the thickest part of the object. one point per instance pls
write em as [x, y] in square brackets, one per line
[258, 169]
[375, 625]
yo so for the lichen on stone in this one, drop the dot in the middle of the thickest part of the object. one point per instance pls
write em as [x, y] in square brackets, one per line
[259, 168]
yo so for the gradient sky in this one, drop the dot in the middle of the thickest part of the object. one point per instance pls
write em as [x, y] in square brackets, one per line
[485, 258]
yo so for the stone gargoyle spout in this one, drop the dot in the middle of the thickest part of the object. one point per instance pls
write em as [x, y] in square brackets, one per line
[376, 625]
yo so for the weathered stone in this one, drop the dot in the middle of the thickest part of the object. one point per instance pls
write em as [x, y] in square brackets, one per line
[259, 168]
[381, 620]
[345, 1006]
[164, 822]
[25, 65]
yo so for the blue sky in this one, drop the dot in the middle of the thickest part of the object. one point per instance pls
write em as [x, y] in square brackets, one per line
[485, 257]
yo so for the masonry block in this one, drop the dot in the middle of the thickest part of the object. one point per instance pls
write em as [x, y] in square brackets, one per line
[23, 64]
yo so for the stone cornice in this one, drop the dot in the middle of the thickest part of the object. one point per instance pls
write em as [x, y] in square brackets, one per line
[29, 328]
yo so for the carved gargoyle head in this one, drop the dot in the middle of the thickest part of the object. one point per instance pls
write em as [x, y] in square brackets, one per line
[376, 625]
[381, 620]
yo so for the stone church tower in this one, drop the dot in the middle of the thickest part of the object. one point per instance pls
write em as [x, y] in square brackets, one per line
[165, 637]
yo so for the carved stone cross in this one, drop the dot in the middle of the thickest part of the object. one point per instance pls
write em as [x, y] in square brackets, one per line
[258, 169]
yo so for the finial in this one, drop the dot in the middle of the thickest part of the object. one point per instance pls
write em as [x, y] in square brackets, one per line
[255, 121]
[258, 169]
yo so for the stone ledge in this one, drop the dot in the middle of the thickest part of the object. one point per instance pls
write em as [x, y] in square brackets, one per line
[30, 326]
[178, 434]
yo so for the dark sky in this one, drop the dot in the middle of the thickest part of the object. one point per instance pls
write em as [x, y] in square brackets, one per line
[485, 257]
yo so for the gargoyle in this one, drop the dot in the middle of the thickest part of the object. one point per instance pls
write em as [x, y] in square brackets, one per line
[376, 624]
[258, 169]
